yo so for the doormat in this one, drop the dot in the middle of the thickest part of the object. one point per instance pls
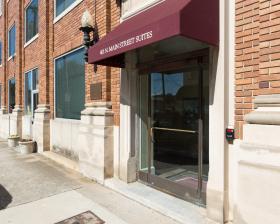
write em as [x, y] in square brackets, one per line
[84, 218]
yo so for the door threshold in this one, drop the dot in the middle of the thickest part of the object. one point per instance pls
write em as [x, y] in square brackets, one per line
[168, 205]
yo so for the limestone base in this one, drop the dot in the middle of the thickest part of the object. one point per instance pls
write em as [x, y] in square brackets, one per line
[96, 142]
[41, 128]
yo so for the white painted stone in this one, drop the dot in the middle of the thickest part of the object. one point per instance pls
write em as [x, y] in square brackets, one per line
[96, 142]
[42, 128]
[16, 121]
[4, 126]
[258, 198]
[64, 137]
[27, 126]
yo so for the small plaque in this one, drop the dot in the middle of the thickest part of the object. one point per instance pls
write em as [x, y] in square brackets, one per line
[264, 84]
[96, 91]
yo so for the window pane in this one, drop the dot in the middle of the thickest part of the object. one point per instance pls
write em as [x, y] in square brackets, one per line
[31, 18]
[31, 87]
[12, 41]
[61, 5]
[12, 95]
[35, 84]
[70, 85]
[35, 101]
[28, 92]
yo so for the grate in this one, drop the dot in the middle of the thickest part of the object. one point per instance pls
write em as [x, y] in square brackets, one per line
[84, 218]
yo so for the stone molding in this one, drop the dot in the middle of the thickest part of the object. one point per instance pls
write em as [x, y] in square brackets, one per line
[267, 111]
[43, 108]
[17, 110]
[98, 109]
[3, 110]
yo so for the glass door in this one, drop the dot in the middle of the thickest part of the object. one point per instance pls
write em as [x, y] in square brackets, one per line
[174, 131]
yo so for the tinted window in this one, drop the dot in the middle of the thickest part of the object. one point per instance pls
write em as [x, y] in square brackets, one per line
[70, 85]
[12, 41]
[31, 91]
[61, 5]
[31, 20]
[12, 94]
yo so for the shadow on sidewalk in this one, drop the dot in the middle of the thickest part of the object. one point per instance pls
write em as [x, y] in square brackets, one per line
[5, 198]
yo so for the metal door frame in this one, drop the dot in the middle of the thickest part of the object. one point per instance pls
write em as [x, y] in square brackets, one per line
[194, 195]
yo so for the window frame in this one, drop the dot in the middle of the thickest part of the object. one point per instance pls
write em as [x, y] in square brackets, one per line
[11, 56]
[65, 11]
[33, 91]
[25, 27]
[54, 79]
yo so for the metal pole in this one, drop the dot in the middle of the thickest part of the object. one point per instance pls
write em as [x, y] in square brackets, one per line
[200, 135]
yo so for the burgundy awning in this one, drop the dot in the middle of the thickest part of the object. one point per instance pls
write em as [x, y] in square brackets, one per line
[195, 19]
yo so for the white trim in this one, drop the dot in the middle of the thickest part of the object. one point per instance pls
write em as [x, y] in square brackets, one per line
[31, 40]
[36, 35]
[11, 57]
[32, 91]
[66, 11]
[54, 78]
[139, 9]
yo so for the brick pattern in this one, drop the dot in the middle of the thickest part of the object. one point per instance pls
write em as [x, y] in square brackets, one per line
[257, 54]
[54, 40]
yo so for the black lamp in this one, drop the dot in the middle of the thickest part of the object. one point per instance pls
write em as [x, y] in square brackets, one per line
[87, 27]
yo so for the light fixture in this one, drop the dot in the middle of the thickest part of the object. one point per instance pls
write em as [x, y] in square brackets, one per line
[87, 26]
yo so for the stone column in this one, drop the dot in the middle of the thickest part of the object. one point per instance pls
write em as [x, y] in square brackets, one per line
[41, 128]
[16, 121]
[96, 141]
[4, 123]
[258, 179]
[3, 110]
[128, 125]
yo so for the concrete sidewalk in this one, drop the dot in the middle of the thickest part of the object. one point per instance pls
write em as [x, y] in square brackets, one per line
[36, 190]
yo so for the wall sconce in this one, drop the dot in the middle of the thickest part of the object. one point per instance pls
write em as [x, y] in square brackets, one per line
[88, 27]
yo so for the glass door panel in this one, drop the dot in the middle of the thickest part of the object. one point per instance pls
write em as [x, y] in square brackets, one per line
[174, 131]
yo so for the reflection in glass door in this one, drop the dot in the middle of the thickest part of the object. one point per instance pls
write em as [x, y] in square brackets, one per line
[174, 131]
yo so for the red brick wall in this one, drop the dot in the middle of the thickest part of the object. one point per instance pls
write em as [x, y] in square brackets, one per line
[257, 54]
[56, 39]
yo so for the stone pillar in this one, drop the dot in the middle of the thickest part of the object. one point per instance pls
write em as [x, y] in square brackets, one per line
[16, 121]
[3, 110]
[128, 127]
[96, 141]
[258, 179]
[41, 128]
[4, 123]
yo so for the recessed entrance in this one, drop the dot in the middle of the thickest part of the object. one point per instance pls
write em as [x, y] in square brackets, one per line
[174, 127]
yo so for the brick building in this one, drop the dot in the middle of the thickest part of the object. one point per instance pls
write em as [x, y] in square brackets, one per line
[164, 81]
